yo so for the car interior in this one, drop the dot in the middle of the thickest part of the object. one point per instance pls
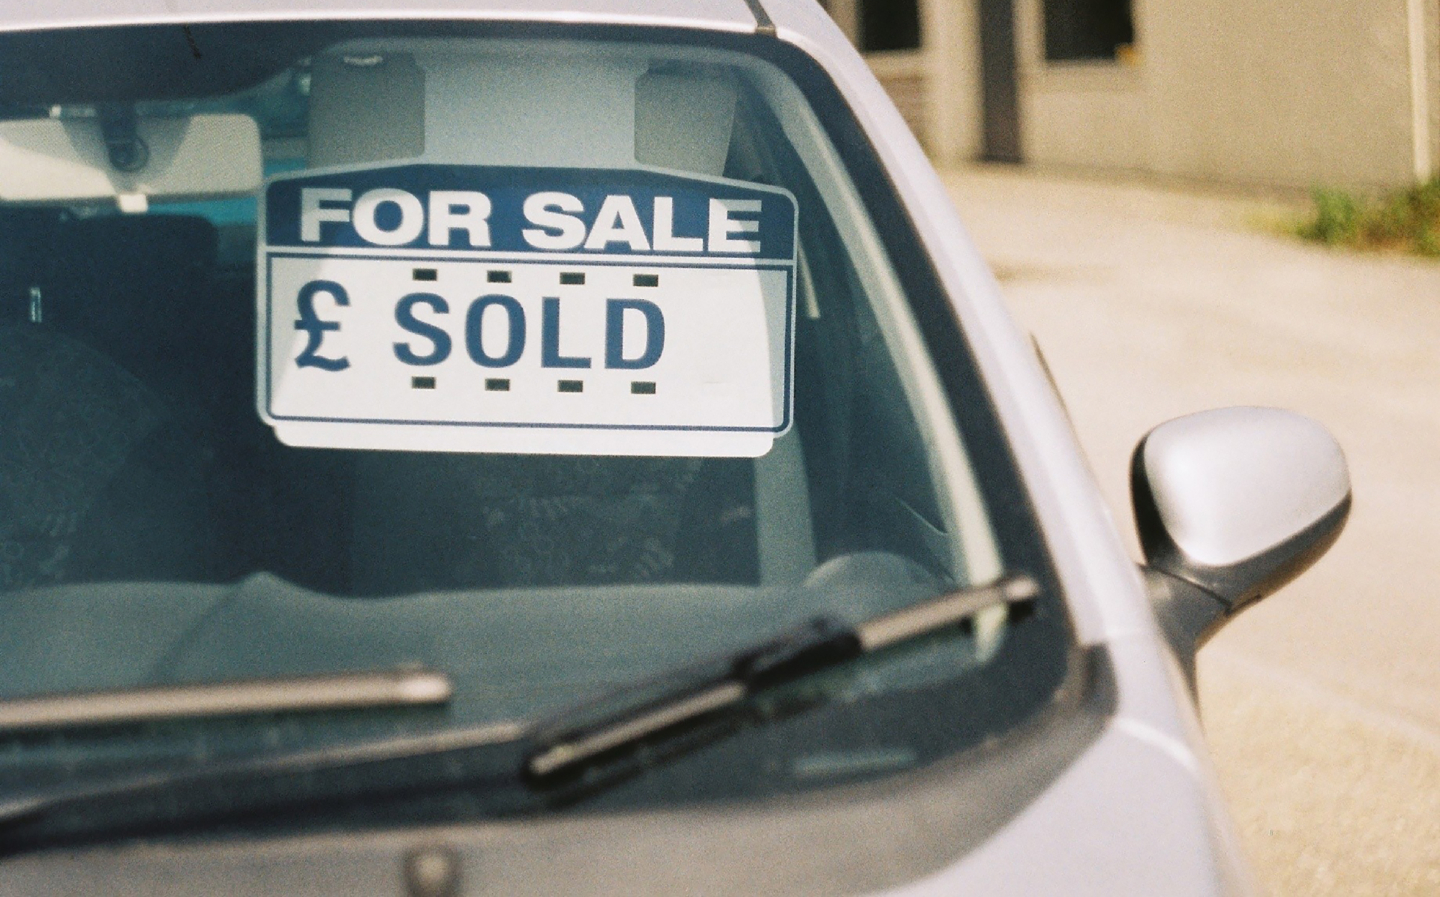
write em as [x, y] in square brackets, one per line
[132, 452]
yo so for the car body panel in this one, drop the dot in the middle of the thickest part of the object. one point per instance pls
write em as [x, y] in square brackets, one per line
[1077, 837]
[1103, 589]
[1078, 840]
[723, 15]
[1138, 813]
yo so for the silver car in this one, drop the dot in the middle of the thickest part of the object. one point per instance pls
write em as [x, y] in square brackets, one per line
[566, 448]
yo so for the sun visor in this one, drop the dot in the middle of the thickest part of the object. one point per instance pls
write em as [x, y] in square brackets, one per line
[683, 122]
[366, 107]
[421, 99]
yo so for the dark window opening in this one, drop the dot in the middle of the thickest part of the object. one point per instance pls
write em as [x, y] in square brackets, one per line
[889, 25]
[1087, 29]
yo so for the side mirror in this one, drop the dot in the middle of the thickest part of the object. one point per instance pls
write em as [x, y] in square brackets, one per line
[1230, 505]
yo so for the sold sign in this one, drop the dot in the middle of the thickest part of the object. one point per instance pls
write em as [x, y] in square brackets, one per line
[462, 308]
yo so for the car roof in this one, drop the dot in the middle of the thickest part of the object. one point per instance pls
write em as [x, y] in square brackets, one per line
[727, 15]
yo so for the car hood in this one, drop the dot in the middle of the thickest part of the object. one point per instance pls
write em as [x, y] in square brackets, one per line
[1124, 818]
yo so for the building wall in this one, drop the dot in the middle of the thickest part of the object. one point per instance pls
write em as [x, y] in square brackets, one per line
[1282, 92]
[949, 31]
[1279, 91]
[1089, 114]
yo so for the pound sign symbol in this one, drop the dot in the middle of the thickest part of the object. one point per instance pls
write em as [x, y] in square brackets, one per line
[315, 328]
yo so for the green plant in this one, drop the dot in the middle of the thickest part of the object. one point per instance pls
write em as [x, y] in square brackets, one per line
[1336, 220]
[1406, 220]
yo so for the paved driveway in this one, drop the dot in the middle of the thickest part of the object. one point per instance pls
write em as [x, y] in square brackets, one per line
[1322, 704]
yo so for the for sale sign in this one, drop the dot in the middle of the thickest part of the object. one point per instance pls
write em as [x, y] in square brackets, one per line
[538, 310]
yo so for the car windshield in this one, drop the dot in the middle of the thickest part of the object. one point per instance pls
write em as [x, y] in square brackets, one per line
[548, 359]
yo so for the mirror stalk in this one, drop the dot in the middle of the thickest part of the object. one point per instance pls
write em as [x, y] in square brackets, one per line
[127, 152]
[1188, 615]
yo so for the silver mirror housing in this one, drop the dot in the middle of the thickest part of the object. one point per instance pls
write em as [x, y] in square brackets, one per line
[1238, 501]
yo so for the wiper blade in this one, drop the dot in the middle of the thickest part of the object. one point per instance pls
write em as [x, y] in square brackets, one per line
[338, 691]
[230, 780]
[820, 644]
[504, 751]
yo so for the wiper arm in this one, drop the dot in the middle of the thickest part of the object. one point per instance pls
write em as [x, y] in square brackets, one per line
[819, 645]
[337, 691]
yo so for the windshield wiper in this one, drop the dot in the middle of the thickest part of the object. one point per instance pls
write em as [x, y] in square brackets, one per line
[819, 645]
[513, 752]
[336, 691]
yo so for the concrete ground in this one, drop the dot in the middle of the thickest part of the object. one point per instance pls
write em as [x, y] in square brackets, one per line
[1322, 704]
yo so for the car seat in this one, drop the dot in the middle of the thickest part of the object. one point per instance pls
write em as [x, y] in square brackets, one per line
[99, 479]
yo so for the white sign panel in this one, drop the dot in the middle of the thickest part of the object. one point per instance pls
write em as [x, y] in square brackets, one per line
[556, 311]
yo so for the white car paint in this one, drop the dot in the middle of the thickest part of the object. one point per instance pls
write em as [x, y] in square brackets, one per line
[1138, 812]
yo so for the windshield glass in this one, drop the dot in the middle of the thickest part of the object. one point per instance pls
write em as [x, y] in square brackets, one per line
[549, 360]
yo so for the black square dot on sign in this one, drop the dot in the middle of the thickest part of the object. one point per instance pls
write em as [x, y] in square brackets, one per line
[571, 278]
[642, 387]
[422, 382]
[426, 274]
[497, 384]
[497, 276]
[647, 280]
[571, 386]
